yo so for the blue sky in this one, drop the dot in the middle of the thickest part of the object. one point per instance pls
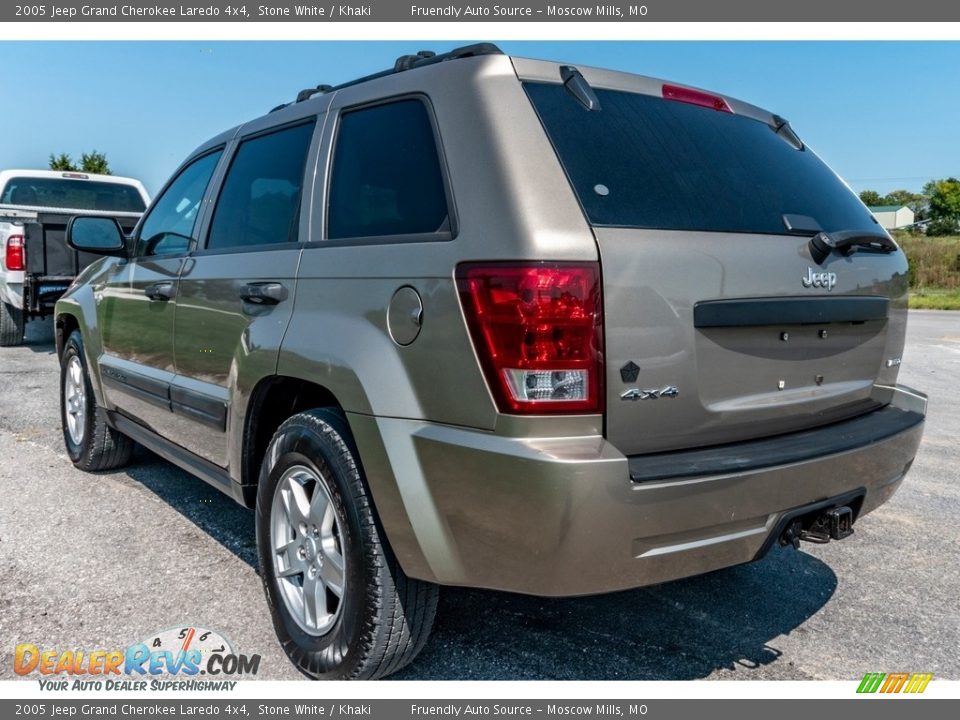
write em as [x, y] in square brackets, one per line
[883, 114]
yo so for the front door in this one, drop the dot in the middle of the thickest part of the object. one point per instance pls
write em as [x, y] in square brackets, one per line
[135, 307]
[236, 293]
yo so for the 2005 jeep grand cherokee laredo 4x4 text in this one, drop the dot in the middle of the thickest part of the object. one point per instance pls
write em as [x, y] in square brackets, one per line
[502, 323]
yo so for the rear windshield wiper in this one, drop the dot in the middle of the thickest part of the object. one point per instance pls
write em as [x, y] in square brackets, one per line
[845, 242]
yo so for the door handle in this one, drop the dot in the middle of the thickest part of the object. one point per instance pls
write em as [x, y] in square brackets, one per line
[265, 293]
[162, 291]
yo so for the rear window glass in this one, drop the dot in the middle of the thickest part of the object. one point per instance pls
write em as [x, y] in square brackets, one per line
[72, 194]
[646, 162]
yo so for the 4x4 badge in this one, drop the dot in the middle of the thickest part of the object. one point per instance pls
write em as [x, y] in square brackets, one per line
[670, 391]
[819, 279]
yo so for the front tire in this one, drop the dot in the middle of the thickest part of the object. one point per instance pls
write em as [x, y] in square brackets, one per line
[91, 444]
[11, 325]
[342, 607]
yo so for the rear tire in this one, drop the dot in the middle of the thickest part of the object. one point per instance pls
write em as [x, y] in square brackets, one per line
[370, 619]
[11, 325]
[91, 443]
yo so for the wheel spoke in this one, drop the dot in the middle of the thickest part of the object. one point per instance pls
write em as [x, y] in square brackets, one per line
[319, 505]
[332, 572]
[326, 524]
[291, 571]
[284, 544]
[295, 502]
[314, 601]
[290, 561]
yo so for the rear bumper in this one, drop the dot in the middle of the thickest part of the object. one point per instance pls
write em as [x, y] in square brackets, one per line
[563, 516]
[40, 293]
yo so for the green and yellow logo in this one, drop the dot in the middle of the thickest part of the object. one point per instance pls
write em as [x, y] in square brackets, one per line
[894, 682]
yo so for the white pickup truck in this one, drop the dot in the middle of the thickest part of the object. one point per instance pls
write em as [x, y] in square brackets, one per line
[36, 265]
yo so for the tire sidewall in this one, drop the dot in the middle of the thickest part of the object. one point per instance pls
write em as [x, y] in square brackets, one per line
[74, 348]
[12, 323]
[338, 652]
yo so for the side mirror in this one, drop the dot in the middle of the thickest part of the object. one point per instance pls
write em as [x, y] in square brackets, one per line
[96, 234]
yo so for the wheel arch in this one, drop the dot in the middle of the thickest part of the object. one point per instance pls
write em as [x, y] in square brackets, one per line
[273, 400]
[63, 327]
[68, 318]
[276, 398]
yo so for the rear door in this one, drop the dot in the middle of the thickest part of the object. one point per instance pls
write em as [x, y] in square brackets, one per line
[720, 324]
[236, 293]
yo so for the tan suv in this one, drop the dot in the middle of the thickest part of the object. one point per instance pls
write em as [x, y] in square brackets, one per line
[502, 323]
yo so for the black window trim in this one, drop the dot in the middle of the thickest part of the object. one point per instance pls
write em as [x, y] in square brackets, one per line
[135, 236]
[360, 240]
[201, 249]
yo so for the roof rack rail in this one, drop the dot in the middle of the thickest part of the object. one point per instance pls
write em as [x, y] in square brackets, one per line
[402, 64]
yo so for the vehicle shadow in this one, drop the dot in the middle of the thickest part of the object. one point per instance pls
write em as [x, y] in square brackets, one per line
[678, 631]
[216, 514]
[38, 336]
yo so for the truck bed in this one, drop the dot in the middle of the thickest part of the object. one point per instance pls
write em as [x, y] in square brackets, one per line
[51, 264]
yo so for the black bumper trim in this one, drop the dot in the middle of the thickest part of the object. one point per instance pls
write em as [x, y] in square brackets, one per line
[778, 450]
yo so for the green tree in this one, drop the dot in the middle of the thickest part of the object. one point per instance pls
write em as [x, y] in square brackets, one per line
[871, 198]
[91, 162]
[944, 206]
[915, 201]
[95, 162]
[62, 162]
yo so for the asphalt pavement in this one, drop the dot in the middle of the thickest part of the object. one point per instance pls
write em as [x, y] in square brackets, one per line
[102, 561]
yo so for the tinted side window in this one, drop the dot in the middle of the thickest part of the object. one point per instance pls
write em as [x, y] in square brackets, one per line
[386, 177]
[260, 200]
[171, 223]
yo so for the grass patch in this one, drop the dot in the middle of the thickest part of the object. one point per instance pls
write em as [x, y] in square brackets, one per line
[934, 261]
[935, 299]
[934, 271]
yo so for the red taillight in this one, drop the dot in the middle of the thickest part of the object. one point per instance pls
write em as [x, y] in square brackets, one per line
[695, 97]
[14, 258]
[538, 330]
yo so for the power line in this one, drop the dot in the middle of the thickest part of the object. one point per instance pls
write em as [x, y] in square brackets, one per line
[898, 179]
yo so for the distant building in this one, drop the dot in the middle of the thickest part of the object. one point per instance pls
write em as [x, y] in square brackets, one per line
[893, 216]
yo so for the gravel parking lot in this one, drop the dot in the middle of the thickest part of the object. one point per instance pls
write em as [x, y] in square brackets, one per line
[101, 561]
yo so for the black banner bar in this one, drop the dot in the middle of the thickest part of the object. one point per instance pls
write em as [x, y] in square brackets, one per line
[482, 11]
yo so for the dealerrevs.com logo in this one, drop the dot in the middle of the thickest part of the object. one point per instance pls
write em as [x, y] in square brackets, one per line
[184, 652]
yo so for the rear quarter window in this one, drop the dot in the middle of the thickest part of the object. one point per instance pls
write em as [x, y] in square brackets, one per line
[386, 178]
